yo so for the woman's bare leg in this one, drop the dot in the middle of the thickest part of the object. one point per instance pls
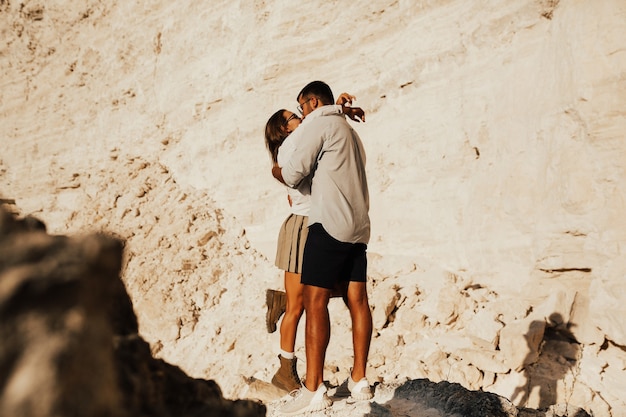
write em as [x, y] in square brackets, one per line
[293, 312]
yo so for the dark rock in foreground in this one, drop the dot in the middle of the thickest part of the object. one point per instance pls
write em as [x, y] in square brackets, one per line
[69, 335]
[453, 399]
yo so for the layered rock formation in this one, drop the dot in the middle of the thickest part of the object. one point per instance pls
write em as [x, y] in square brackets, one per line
[495, 142]
[70, 343]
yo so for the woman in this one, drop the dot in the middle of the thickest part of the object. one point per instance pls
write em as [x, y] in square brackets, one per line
[291, 239]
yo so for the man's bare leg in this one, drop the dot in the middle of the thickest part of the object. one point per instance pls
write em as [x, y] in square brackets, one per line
[361, 327]
[317, 334]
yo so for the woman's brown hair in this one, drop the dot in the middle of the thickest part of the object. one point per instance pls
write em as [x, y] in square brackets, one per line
[275, 133]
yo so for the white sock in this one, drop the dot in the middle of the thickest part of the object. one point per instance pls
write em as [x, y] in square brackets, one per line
[286, 355]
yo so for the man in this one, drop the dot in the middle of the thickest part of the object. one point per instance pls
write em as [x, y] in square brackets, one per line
[331, 152]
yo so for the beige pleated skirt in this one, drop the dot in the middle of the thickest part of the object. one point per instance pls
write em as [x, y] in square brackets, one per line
[291, 240]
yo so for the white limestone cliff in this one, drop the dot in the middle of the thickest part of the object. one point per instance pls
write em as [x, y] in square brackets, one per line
[496, 162]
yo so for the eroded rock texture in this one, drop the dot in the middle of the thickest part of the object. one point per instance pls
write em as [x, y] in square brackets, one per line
[69, 335]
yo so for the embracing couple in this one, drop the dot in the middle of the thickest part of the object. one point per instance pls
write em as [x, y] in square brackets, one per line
[322, 244]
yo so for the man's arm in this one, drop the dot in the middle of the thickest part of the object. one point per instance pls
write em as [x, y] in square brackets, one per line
[301, 163]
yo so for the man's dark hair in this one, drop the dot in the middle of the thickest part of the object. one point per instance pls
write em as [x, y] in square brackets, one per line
[319, 89]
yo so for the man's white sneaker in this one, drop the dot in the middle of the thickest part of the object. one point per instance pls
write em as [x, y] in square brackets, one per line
[306, 401]
[359, 391]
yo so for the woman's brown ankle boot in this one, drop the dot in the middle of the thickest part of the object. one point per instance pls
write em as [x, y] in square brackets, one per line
[286, 377]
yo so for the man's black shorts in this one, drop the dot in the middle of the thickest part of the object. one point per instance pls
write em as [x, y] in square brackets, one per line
[328, 261]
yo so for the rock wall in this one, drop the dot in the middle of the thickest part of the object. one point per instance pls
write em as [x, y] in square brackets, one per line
[70, 343]
[495, 158]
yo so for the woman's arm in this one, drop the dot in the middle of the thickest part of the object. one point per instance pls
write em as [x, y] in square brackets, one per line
[277, 173]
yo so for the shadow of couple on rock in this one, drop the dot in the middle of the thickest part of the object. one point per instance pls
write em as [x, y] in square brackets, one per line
[553, 354]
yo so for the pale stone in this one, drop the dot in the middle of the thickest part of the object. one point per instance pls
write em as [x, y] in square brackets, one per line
[484, 325]
[520, 342]
[487, 361]
[495, 153]
[608, 309]
[581, 323]
[510, 385]
[384, 302]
